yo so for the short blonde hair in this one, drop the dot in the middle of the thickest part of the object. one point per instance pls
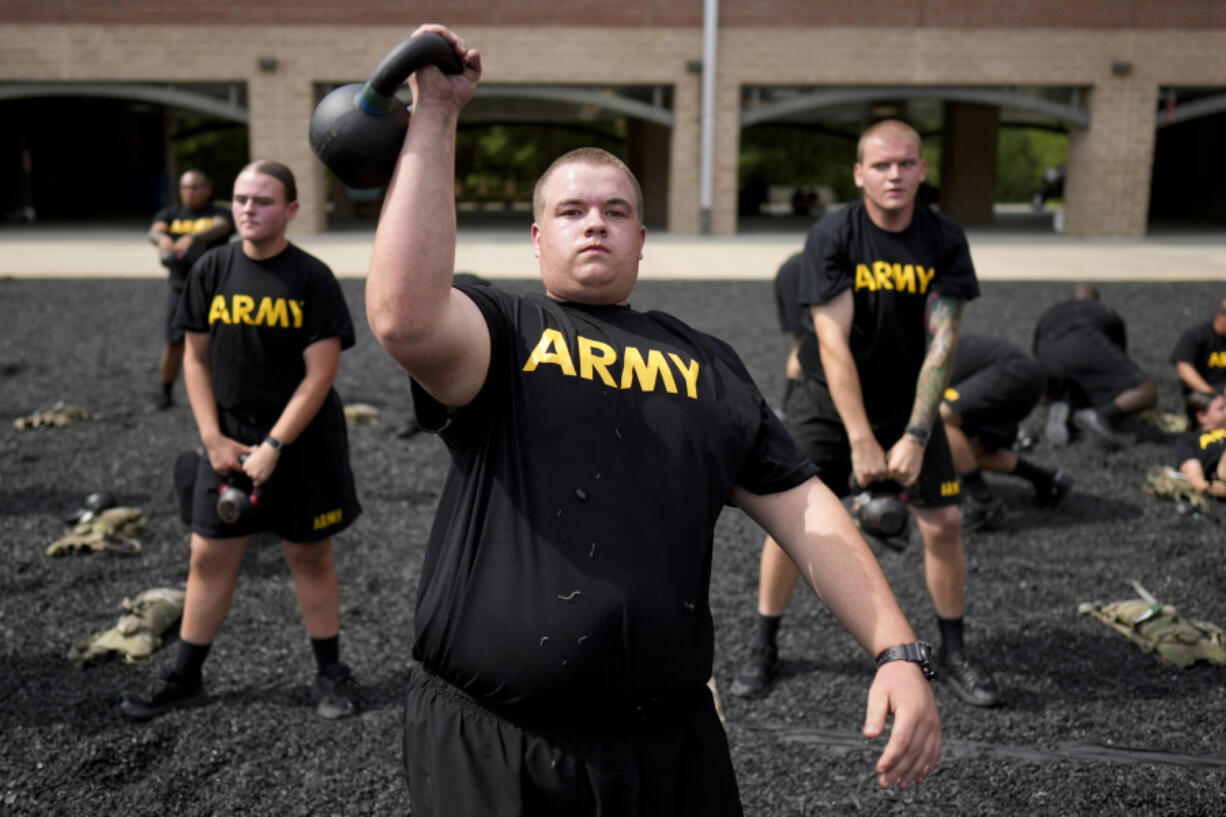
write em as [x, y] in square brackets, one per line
[888, 129]
[586, 156]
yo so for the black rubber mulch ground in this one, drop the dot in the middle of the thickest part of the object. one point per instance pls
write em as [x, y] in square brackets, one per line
[1092, 726]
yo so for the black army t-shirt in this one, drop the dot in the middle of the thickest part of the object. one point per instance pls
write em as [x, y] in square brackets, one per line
[571, 554]
[1205, 349]
[891, 276]
[979, 352]
[1206, 447]
[260, 316]
[182, 221]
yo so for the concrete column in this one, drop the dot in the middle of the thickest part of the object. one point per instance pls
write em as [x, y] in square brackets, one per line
[968, 161]
[281, 103]
[727, 158]
[649, 149]
[683, 204]
[1109, 164]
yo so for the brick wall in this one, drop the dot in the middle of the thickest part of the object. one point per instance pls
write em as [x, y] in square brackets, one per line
[1109, 174]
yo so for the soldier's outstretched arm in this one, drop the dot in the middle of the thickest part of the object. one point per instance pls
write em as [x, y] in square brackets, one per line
[814, 529]
[434, 332]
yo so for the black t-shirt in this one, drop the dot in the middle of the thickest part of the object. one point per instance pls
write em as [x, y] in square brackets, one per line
[182, 221]
[979, 352]
[1206, 447]
[1077, 320]
[1205, 349]
[794, 317]
[260, 316]
[570, 559]
[891, 276]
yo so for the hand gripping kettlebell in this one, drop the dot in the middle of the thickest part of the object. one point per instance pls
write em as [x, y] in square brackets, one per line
[357, 130]
[233, 502]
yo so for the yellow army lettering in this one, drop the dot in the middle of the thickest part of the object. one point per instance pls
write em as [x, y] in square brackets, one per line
[1217, 360]
[1210, 437]
[951, 488]
[597, 359]
[190, 226]
[327, 520]
[272, 311]
[895, 277]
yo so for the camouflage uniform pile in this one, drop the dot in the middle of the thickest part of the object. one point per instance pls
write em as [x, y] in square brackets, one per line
[112, 529]
[137, 634]
[57, 416]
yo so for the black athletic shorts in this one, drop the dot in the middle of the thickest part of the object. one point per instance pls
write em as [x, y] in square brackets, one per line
[1091, 369]
[311, 494]
[992, 401]
[464, 759]
[174, 332]
[815, 424]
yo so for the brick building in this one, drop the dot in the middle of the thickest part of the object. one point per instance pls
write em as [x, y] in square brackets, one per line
[1115, 74]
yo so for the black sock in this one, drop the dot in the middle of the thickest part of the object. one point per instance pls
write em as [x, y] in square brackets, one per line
[951, 635]
[189, 660]
[327, 651]
[1040, 477]
[1110, 412]
[768, 629]
[975, 485]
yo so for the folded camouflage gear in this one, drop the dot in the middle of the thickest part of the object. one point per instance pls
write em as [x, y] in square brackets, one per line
[362, 414]
[57, 416]
[136, 635]
[1165, 422]
[111, 530]
[1168, 483]
[1159, 630]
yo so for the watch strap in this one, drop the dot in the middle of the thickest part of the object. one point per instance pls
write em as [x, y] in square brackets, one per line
[917, 652]
[273, 442]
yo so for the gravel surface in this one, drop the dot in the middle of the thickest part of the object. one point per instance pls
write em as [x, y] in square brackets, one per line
[1092, 726]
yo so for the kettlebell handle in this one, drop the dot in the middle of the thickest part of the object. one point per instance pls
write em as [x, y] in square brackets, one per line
[379, 94]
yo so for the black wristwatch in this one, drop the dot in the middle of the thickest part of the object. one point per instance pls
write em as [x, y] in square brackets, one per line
[273, 442]
[917, 651]
[920, 435]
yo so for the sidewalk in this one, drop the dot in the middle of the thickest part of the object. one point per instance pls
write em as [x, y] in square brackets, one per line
[125, 253]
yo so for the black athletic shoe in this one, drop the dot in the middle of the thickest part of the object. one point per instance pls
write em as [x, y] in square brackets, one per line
[160, 402]
[1059, 487]
[167, 692]
[336, 693]
[1092, 423]
[756, 676]
[968, 680]
[983, 514]
[1056, 430]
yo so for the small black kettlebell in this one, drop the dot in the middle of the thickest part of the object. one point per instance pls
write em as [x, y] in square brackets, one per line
[357, 130]
[235, 503]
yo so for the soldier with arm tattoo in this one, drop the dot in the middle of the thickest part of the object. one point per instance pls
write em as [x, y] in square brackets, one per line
[886, 280]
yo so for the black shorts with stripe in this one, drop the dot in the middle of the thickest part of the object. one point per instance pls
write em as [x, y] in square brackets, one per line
[311, 494]
[814, 422]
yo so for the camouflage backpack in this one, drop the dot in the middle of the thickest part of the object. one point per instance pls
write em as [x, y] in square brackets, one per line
[1159, 630]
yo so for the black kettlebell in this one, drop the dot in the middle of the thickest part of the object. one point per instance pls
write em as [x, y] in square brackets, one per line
[357, 130]
[234, 502]
[879, 509]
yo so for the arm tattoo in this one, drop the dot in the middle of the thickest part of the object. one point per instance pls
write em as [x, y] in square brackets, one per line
[944, 319]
